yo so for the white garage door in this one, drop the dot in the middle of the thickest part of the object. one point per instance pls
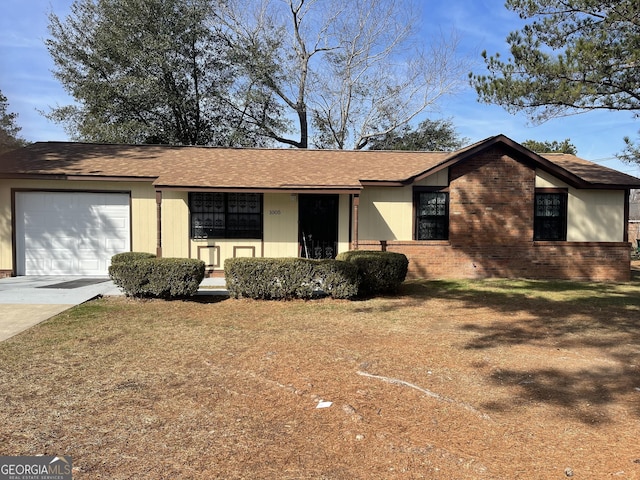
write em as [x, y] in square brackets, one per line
[70, 233]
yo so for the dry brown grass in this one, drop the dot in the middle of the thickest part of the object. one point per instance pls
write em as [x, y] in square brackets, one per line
[451, 380]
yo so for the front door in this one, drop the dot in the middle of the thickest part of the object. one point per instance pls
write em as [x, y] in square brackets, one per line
[318, 221]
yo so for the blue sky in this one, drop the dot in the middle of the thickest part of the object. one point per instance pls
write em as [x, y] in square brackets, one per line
[27, 82]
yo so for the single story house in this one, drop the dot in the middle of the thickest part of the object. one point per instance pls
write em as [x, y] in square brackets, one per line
[493, 209]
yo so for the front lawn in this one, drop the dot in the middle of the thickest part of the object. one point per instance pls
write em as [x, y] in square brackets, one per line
[451, 380]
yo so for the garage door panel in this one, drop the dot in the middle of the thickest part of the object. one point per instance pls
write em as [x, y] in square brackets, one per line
[89, 263]
[34, 203]
[116, 223]
[44, 244]
[62, 264]
[37, 263]
[83, 220]
[63, 244]
[70, 233]
[116, 231]
[34, 222]
[86, 248]
[111, 200]
[116, 245]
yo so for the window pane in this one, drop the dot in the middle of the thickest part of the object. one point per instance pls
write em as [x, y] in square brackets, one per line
[432, 229]
[550, 221]
[197, 202]
[232, 203]
[218, 221]
[197, 225]
[218, 202]
[548, 205]
[432, 203]
[226, 215]
[432, 212]
[253, 202]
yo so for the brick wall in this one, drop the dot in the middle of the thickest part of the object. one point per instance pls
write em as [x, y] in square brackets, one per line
[605, 262]
[491, 232]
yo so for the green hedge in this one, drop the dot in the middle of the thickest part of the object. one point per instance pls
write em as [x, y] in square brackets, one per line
[287, 278]
[157, 277]
[130, 257]
[379, 272]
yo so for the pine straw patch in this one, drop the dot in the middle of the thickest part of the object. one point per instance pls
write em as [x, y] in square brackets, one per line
[464, 380]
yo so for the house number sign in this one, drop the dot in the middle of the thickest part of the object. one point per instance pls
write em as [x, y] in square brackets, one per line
[275, 212]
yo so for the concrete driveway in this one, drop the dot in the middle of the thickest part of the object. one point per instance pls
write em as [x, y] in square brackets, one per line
[27, 301]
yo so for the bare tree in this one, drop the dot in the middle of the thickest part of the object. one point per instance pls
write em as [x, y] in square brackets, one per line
[336, 73]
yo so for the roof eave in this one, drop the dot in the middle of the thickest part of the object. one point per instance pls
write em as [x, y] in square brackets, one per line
[65, 176]
[33, 176]
[524, 154]
[293, 189]
[614, 186]
[384, 183]
[110, 178]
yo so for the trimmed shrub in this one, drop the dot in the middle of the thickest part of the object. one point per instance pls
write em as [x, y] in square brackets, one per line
[130, 257]
[267, 278]
[158, 277]
[337, 278]
[380, 272]
[287, 278]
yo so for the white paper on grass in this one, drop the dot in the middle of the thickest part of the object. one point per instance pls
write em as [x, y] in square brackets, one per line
[323, 404]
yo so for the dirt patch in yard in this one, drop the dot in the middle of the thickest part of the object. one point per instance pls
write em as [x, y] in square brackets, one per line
[451, 380]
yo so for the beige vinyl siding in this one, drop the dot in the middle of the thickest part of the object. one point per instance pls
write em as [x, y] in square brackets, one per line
[175, 224]
[344, 225]
[144, 217]
[6, 239]
[596, 216]
[386, 213]
[438, 179]
[143, 208]
[280, 225]
[215, 251]
[592, 215]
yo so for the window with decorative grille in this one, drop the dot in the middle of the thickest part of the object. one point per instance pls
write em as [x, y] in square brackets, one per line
[550, 218]
[226, 215]
[432, 215]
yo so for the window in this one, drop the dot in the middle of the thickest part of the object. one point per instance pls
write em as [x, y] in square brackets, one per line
[226, 215]
[550, 217]
[432, 215]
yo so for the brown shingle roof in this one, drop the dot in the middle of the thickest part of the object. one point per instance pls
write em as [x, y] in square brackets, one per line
[591, 172]
[224, 168]
[219, 167]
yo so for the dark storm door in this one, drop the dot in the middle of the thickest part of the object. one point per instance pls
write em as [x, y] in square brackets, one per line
[318, 222]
